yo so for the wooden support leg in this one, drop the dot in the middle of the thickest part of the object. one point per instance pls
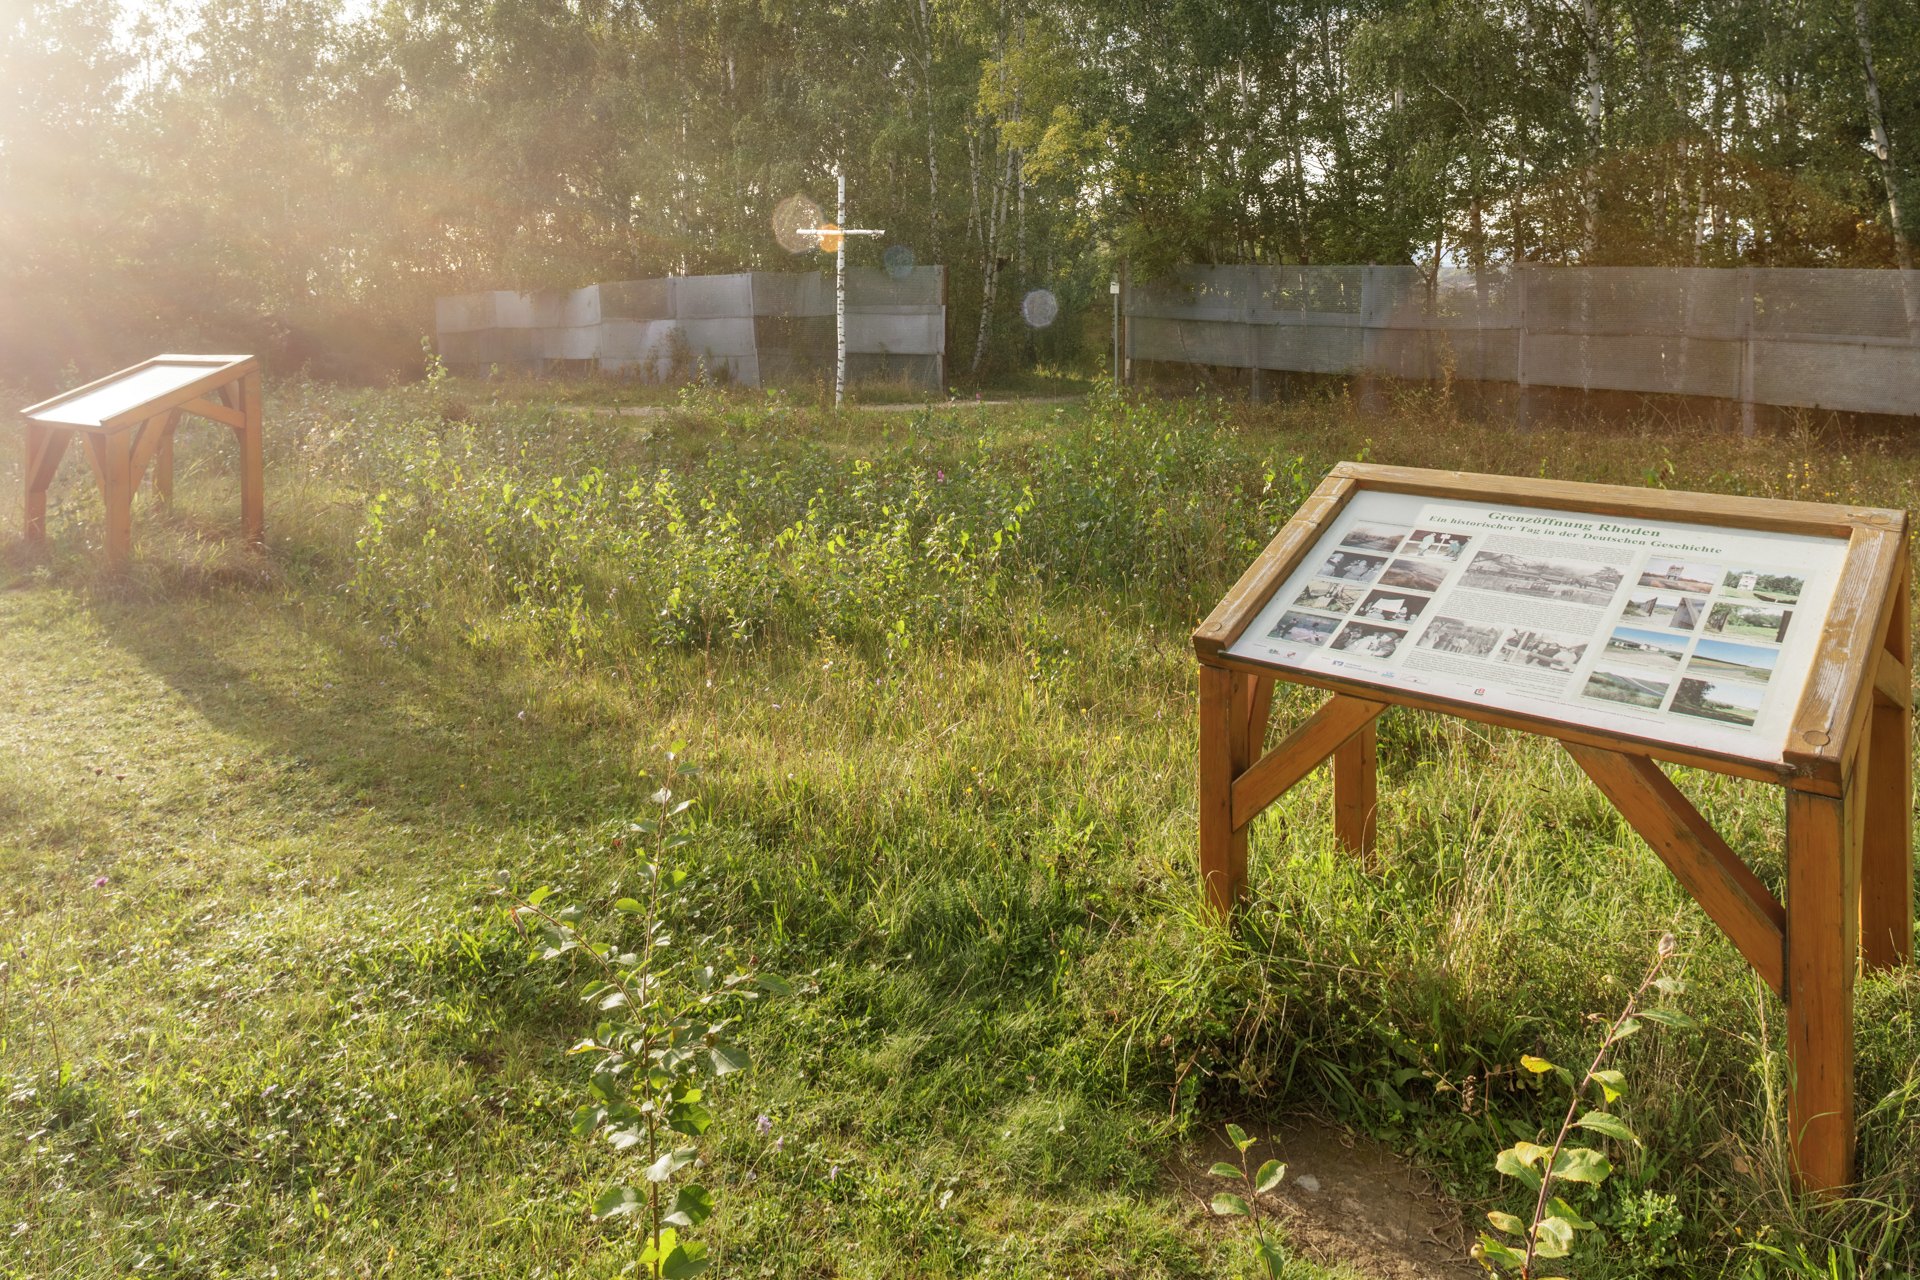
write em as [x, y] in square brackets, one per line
[1223, 750]
[1886, 843]
[1356, 791]
[252, 466]
[44, 447]
[1822, 908]
[114, 455]
[163, 466]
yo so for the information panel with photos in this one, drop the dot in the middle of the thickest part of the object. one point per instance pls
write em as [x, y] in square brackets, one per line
[1763, 639]
[1693, 634]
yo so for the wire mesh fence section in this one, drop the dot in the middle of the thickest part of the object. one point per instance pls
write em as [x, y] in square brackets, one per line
[750, 327]
[1827, 339]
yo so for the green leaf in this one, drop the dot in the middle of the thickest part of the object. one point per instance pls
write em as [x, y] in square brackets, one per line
[728, 1058]
[1511, 1165]
[1612, 1083]
[627, 906]
[1269, 1176]
[615, 1201]
[689, 1118]
[689, 1259]
[691, 1207]
[539, 896]
[671, 1163]
[1239, 1137]
[1628, 1028]
[1561, 1209]
[1499, 1254]
[1601, 1122]
[1669, 1018]
[1582, 1164]
[1226, 1204]
[1553, 1238]
[773, 985]
[1222, 1169]
[1506, 1222]
[1531, 1152]
[1270, 1257]
[587, 1119]
[1672, 986]
[1535, 1065]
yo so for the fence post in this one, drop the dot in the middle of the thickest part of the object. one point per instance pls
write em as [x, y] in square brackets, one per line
[1744, 326]
[1523, 415]
[1369, 306]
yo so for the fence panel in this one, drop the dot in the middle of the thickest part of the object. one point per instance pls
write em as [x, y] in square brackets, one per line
[1813, 338]
[747, 326]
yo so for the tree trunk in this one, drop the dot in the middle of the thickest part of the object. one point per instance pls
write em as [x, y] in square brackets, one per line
[1882, 144]
[990, 264]
[1596, 107]
[933, 156]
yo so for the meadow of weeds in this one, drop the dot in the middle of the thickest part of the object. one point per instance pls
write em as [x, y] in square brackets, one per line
[260, 1013]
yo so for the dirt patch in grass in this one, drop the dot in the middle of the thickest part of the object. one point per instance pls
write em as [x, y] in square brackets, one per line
[1346, 1202]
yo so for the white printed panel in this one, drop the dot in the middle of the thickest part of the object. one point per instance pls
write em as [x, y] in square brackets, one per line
[713, 297]
[1828, 375]
[908, 335]
[463, 314]
[570, 344]
[511, 310]
[1692, 635]
[719, 337]
[621, 340]
[580, 307]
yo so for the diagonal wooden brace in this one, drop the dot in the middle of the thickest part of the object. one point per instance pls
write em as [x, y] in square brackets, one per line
[206, 408]
[1723, 885]
[1326, 731]
[152, 433]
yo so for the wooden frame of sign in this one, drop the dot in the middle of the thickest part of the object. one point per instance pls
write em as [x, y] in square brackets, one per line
[127, 421]
[1762, 639]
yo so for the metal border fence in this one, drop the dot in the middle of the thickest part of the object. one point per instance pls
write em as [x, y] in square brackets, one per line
[1819, 339]
[749, 328]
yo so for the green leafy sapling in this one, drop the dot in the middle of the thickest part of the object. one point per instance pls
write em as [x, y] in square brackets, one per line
[1257, 1183]
[667, 1035]
[1551, 1232]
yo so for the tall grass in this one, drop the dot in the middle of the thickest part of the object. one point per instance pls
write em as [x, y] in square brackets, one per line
[936, 667]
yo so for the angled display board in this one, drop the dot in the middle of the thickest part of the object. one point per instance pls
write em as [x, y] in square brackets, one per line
[1763, 639]
[127, 421]
[1681, 634]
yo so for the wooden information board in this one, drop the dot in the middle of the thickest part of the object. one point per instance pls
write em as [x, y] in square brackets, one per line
[1757, 638]
[127, 421]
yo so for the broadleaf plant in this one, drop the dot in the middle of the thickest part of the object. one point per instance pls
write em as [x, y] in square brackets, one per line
[669, 1033]
[1257, 1183]
[1550, 1233]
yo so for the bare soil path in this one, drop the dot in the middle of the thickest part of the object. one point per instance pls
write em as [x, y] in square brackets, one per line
[1346, 1201]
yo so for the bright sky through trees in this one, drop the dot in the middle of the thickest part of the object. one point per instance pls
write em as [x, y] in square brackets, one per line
[269, 175]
